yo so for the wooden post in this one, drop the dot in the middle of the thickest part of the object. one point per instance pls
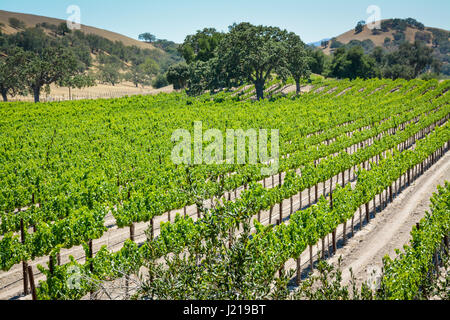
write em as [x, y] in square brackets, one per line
[152, 229]
[299, 270]
[132, 232]
[281, 210]
[317, 192]
[334, 241]
[367, 212]
[292, 205]
[344, 234]
[323, 248]
[353, 220]
[270, 215]
[311, 258]
[185, 210]
[51, 264]
[24, 263]
[360, 218]
[33, 287]
[300, 199]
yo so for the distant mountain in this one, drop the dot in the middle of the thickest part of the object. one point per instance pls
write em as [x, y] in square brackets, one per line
[318, 43]
[392, 33]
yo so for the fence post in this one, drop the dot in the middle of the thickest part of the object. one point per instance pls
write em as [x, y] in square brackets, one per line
[33, 288]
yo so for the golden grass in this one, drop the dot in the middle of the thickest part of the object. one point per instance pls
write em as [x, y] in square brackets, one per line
[31, 20]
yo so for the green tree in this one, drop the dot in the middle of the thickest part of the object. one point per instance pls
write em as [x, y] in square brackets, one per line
[297, 59]
[160, 81]
[409, 61]
[63, 29]
[360, 26]
[147, 37]
[109, 73]
[137, 76]
[16, 23]
[78, 81]
[178, 75]
[317, 60]
[352, 64]
[252, 53]
[11, 80]
[50, 66]
[201, 46]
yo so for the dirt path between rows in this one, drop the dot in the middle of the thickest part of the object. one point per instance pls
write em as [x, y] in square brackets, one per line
[391, 228]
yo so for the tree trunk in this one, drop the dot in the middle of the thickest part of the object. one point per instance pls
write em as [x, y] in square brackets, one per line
[5, 96]
[298, 88]
[299, 271]
[259, 86]
[36, 93]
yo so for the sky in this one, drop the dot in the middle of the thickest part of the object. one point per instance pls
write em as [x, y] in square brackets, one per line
[174, 19]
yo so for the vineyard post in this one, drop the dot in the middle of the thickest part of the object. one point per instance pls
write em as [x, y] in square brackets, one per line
[281, 211]
[299, 270]
[380, 202]
[344, 233]
[323, 248]
[132, 232]
[367, 212]
[185, 211]
[292, 205]
[311, 258]
[360, 218]
[33, 287]
[300, 199]
[270, 215]
[51, 264]
[152, 233]
[446, 243]
[324, 190]
[24, 263]
[353, 225]
[317, 192]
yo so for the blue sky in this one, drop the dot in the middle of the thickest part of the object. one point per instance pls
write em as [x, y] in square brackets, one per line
[174, 19]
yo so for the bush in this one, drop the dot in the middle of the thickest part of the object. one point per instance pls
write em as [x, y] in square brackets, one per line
[160, 81]
[16, 23]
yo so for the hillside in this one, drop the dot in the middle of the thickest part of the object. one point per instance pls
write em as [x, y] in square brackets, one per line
[31, 20]
[411, 33]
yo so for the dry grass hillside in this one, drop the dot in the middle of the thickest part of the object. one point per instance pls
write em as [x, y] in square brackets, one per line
[377, 39]
[31, 20]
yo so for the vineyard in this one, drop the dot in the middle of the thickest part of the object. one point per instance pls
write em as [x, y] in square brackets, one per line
[90, 186]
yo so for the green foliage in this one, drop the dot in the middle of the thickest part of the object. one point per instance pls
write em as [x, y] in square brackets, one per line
[50, 66]
[16, 23]
[11, 80]
[352, 64]
[360, 26]
[178, 75]
[147, 37]
[200, 46]
[160, 81]
[108, 73]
